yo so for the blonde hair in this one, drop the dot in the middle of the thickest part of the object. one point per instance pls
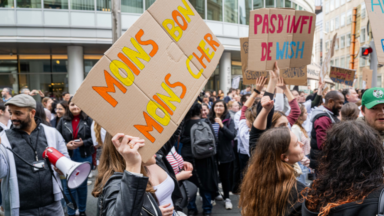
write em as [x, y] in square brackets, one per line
[97, 129]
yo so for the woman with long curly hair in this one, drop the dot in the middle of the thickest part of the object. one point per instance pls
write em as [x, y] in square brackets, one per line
[269, 186]
[350, 173]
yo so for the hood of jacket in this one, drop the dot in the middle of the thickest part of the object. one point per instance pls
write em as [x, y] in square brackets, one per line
[321, 109]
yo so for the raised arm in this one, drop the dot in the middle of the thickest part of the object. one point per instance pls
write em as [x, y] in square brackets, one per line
[260, 82]
[295, 109]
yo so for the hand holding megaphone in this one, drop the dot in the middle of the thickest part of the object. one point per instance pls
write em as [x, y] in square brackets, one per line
[128, 147]
[75, 173]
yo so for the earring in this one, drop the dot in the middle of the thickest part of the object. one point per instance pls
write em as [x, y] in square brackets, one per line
[286, 159]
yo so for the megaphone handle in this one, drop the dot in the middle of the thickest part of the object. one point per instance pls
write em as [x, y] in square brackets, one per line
[65, 197]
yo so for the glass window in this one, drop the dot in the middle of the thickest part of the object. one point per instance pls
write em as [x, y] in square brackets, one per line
[337, 23]
[348, 40]
[342, 62]
[342, 41]
[332, 25]
[326, 46]
[215, 10]
[296, 7]
[378, 82]
[130, 6]
[337, 62]
[148, 3]
[88, 65]
[105, 5]
[199, 5]
[326, 7]
[332, 63]
[29, 3]
[287, 3]
[82, 5]
[337, 3]
[363, 11]
[332, 5]
[56, 4]
[245, 6]
[348, 0]
[279, 3]
[349, 17]
[6, 4]
[8, 75]
[362, 35]
[337, 44]
[347, 61]
[230, 11]
[258, 4]
[362, 62]
[269, 3]
[300, 8]
[50, 85]
[342, 20]
[342, 2]
[327, 27]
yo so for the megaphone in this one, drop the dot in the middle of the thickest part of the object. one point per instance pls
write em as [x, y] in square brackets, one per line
[75, 173]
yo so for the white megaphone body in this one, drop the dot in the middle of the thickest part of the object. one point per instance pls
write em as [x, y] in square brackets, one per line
[75, 173]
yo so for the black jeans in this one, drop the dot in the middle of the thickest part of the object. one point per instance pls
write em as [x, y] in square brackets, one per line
[225, 173]
[243, 161]
[236, 171]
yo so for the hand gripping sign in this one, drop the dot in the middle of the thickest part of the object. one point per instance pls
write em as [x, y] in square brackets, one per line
[147, 81]
[282, 35]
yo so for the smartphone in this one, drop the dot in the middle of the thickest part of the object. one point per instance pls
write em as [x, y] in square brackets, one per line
[76, 140]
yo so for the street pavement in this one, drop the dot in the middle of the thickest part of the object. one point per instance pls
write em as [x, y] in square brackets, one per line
[218, 209]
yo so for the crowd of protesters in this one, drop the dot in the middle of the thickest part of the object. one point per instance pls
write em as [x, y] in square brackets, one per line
[283, 151]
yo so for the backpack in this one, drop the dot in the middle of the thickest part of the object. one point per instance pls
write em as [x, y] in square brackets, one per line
[203, 142]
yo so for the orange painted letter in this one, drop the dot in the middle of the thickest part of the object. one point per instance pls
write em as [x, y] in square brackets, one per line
[203, 55]
[175, 85]
[176, 14]
[129, 63]
[148, 42]
[144, 129]
[208, 37]
[111, 83]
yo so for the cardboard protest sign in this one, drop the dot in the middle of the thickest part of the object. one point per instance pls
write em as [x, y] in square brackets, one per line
[282, 35]
[292, 76]
[236, 82]
[147, 81]
[367, 78]
[375, 11]
[327, 61]
[342, 75]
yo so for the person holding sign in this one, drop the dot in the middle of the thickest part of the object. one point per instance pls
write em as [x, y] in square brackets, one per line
[122, 184]
[270, 186]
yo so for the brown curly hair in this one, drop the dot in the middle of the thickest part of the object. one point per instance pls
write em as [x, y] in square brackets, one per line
[351, 167]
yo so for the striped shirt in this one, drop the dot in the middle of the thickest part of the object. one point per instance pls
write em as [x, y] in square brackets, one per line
[216, 127]
[175, 160]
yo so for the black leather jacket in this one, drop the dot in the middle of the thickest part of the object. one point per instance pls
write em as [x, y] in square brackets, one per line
[84, 132]
[124, 194]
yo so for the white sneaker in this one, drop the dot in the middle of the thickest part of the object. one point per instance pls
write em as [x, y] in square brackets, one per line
[228, 204]
[90, 175]
[77, 212]
[213, 202]
[219, 198]
[89, 182]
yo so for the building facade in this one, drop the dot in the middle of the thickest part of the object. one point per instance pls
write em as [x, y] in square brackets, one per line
[51, 45]
[336, 17]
